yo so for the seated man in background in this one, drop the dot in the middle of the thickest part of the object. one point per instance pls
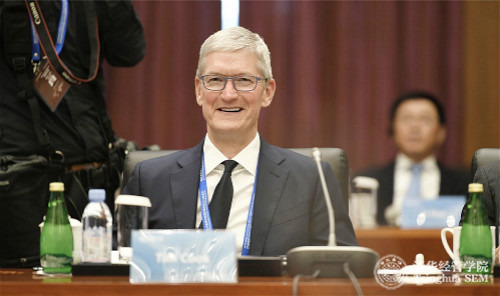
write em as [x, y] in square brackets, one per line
[418, 130]
[278, 203]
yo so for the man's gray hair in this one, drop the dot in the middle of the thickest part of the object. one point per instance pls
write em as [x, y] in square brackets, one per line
[233, 39]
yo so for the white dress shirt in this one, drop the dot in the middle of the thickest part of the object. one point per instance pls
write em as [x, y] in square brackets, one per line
[430, 179]
[242, 177]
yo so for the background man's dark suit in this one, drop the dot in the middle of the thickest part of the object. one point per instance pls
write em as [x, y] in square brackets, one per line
[290, 210]
[489, 176]
[453, 182]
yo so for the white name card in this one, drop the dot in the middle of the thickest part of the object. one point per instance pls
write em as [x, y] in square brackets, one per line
[444, 211]
[183, 256]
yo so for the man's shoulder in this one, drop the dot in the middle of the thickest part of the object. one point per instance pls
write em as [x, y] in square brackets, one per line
[288, 157]
[294, 154]
[489, 171]
[493, 167]
[162, 158]
[166, 159]
[377, 171]
[454, 173]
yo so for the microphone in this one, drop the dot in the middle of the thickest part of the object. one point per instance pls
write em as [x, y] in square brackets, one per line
[330, 260]
[331, 215]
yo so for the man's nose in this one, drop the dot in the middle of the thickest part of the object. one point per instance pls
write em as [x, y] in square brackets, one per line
[229, 91]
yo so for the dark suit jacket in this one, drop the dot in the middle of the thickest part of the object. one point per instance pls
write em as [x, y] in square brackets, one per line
[453, 182]
[489, 176]
[289, 211]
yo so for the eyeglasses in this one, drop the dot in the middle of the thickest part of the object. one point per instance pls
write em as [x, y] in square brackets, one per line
[240, 83]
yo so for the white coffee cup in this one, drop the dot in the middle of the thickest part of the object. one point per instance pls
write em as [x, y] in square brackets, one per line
[454, 254]
[363, 202]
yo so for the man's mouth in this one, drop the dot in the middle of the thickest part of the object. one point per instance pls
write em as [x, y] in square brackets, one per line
[230, 109]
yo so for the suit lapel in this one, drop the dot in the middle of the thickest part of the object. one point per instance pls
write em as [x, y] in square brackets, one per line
[388, 192]
[270, 183]
[185, 187]
[385, 195]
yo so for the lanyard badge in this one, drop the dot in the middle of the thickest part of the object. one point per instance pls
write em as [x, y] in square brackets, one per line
[52, 77]
[48, 83]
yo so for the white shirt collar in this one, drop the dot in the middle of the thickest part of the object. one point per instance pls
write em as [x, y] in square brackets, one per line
[403, 162]
[247, 158]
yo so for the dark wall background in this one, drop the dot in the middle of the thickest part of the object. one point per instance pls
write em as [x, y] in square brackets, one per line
[338, 65]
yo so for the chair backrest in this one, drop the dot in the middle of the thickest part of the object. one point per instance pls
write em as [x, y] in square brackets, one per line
[484, 156]
[336, 157]
[134, 157]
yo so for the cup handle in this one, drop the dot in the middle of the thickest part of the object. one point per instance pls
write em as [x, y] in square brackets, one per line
[445, 241]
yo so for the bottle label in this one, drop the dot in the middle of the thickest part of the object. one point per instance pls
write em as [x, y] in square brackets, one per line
[55, 263]
[96, 245]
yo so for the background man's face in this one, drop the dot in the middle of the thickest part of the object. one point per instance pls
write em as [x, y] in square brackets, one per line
[417, 131]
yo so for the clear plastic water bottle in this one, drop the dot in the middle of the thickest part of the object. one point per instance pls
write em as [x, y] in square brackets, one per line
[97, 229]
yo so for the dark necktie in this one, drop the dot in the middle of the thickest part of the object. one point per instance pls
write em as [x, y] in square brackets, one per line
[222, 198]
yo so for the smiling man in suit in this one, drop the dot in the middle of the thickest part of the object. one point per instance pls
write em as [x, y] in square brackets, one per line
[278, 203]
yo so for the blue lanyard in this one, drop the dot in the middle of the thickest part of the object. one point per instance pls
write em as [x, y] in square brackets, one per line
[205, 210]
[61, 33]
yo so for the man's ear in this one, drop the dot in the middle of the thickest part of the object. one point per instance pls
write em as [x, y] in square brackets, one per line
[441, 136]
[269, 93]
[197, 90]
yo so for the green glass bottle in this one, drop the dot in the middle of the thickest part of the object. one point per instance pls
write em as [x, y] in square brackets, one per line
[475, 249]
[56, 239]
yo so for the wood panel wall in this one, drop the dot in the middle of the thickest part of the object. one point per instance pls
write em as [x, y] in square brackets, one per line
[481, 122]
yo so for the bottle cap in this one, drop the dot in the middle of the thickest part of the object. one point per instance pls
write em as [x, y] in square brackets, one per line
[56, 186]
[475, 187]
[97, 194]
